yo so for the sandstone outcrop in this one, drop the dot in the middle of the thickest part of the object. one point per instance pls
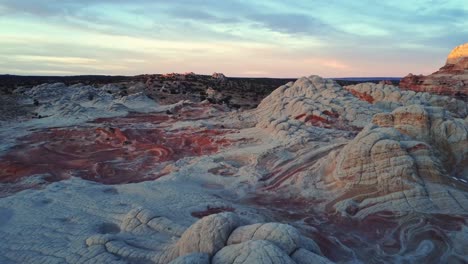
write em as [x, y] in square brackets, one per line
[458, 56]
[207, 235]
[312, 101]
[79, 102]
[283, 236]
[258, 251]
[451, 79]
[402, 160]
[390, 97]
[219, 237]
[413, 159]
[140, 221]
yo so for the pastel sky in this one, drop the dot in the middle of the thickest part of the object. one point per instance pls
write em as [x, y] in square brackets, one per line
[239, 38]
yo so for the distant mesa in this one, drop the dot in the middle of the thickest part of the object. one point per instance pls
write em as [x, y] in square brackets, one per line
[451, 79]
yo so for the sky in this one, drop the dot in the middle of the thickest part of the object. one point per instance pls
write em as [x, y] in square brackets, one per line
[271, 38]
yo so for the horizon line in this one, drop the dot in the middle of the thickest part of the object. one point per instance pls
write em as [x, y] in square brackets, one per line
[203, 74]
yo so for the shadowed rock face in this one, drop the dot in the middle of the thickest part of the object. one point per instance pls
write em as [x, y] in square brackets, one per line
[451, 79]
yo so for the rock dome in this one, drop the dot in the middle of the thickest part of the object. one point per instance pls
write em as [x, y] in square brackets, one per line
[458, 54]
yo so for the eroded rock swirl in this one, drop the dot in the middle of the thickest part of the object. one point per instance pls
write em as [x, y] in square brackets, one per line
[317, 173]
[412, 160]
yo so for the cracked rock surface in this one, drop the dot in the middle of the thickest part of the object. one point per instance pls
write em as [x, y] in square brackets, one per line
[317, 173]
[217, 238]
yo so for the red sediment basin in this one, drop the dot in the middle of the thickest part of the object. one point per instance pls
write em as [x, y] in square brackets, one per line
[128, 151]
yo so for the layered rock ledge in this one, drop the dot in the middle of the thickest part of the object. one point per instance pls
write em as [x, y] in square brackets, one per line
[451, 79]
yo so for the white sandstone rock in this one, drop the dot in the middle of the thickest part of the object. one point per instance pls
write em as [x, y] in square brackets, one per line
[258, 251]
[284, 236]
